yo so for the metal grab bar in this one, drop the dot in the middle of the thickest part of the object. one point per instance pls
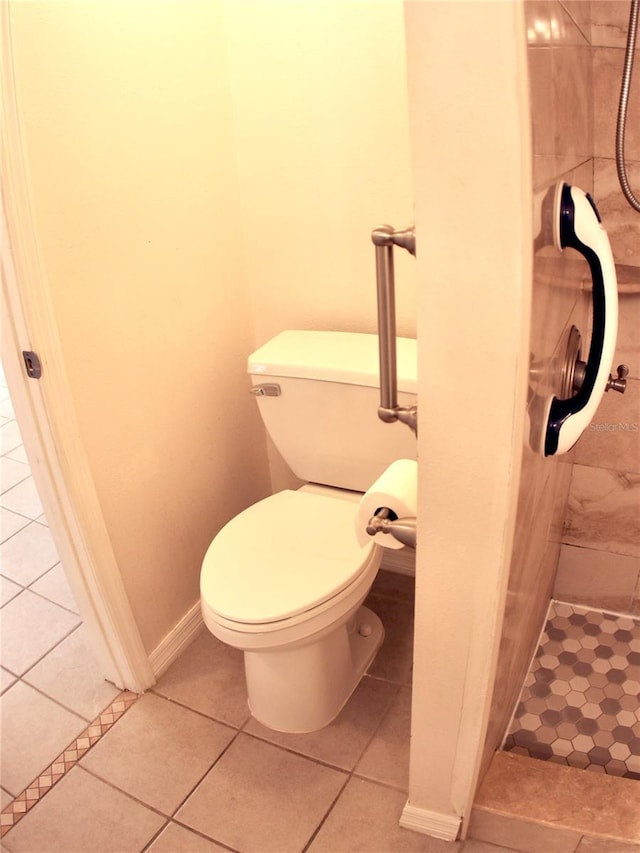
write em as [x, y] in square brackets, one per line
[384, 238]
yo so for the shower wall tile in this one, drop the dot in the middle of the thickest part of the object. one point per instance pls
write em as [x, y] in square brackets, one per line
[580, 12]
[607, 76]
[560, 82]
[612, 440]
[609, 22]
[533, 565]
[541, 83]
[635, 601]
[621, 222]
[573, 104]
[596, 578]
[628, 348]
[603, 512]
[559, 75]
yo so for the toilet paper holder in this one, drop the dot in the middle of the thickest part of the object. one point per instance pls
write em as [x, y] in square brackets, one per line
[402, 529]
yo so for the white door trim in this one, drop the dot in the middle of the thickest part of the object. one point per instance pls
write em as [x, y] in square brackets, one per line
[46, 415]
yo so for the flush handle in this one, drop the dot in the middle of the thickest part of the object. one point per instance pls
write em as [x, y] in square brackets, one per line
[266, 389]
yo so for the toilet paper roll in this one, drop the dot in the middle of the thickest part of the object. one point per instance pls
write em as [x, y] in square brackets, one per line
[397, 489]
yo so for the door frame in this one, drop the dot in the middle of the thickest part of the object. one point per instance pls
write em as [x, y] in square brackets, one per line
[46, 415]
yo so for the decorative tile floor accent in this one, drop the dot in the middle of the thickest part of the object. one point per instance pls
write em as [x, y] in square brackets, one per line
[16, 809]
[580, 704]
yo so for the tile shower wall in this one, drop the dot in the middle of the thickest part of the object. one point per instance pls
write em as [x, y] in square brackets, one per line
[560, 80]
[600, 555]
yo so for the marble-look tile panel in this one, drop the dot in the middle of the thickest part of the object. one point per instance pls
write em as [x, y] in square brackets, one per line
[622, 223]
[609, 22]
[572, 81]
[596, 578]
[603, 512]
[549, 168]
[531, 837]
[612, 439]
[533, 566]
[566, 797]
[559, 82]
[608, 63]
[628, 346]
[554, 22]
[561, 110]
[635, 601]
[540, 61]
[580, 12]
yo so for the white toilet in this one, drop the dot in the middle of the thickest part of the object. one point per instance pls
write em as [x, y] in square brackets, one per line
[285, 580]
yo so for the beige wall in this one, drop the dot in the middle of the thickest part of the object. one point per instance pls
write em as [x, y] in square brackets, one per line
[322, 141]
[204, 175]
[128, 129]
[472, 169]
[600, 557]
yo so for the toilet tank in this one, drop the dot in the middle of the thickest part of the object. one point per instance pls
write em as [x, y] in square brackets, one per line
[324, 421]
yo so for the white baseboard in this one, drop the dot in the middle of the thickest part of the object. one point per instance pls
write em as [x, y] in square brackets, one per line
[176, 641]
[435, 824]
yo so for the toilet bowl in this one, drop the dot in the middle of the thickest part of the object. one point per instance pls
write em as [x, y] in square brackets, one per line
[284, 581]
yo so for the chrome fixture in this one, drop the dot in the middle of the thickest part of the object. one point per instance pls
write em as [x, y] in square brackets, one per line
[384, 238]
[266, 389]
[402, 529]
[620, 382]
[621, 124]
[574, 369]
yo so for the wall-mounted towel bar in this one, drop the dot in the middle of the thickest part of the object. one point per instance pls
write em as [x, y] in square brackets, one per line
[384, 238]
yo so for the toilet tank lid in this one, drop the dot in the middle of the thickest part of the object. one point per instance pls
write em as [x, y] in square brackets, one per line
[347, 357]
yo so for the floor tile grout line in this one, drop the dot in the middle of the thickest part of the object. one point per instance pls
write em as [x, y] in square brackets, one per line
[17, 483]
[35, 592]
[20, 679]
[323, 820]
[95, 775]
[27, 518]
[46, 598]
[237, 731]
[154, 691]
[11, 815]
[46, 654]
[352, 773]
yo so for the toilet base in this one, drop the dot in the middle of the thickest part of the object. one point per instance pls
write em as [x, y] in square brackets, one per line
[304, 688]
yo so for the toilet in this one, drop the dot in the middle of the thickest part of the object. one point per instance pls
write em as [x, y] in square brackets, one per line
[285, 579]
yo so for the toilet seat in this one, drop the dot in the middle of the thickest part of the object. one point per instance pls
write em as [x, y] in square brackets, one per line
[289, 554]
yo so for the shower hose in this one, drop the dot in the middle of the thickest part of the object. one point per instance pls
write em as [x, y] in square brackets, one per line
[621, 124]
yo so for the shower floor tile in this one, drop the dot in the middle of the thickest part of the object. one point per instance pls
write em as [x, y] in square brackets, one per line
[580, 704]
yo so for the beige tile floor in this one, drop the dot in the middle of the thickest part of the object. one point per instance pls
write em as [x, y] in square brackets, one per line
[187, 768]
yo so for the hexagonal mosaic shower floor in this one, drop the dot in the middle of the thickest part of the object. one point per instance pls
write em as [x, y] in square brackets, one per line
[580, 704]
